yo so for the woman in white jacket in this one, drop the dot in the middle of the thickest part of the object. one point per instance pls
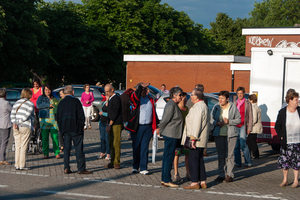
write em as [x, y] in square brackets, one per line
[197, 129]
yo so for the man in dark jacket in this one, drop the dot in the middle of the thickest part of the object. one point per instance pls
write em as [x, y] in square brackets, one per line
[114, 127]
[142, 124]
[70, 119]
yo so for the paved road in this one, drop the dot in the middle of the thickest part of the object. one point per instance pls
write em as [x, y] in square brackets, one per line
[46, 180]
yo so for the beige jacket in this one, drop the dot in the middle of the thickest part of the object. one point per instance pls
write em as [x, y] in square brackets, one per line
[257, 126]
[197, 124]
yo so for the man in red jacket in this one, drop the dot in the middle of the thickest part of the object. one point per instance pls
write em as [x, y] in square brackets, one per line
[143, 122]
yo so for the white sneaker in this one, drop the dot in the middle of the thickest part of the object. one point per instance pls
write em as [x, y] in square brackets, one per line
[144, 172]
[134, 171]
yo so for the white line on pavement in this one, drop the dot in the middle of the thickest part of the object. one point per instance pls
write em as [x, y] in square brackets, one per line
[75, 194]
[246, 195]
[2, 186]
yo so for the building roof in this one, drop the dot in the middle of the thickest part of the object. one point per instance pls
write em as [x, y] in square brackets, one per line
[271, 31]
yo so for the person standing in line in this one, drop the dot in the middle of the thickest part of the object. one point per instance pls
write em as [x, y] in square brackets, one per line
[164, 89]
[257, 127]
[179, 148]
[224, 117]
[289, 91]
[60, 137]
[197, 129]
[87, 98]
[142, 125]
[244, 129]
[22, 117]
[125, 98]
[5, 125]
[189, 104]
[287, 127]
[114, 126]
[104, 137]
[170, 127]
[46, 104]
[37, 91]
[70, 119]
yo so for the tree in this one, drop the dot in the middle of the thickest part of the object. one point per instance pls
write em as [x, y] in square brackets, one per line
[81, 53]
[275, 13]
[23, 38]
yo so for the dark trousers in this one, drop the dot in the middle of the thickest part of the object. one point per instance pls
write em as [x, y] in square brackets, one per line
[4, 136]
[168, 158]
[78, 143]
[140, 146]
[104, 139]
[36, 122]
[252, 144]
[196, 165]
[61, 139]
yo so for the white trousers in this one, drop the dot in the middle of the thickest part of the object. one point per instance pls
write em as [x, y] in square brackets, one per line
[22, 136]
[87, 114]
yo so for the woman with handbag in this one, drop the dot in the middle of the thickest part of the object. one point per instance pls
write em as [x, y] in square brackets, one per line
[196, 132]
[87, 99]
[224, 117]
[287, 127]
[170, 127]
[22, 117]
[47, 105]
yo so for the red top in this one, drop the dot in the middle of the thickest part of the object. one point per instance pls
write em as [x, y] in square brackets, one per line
[35, 96]
[242, 113]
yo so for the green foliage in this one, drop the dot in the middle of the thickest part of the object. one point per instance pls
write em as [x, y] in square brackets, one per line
[275, 13]
[81, 53]
[22, 40]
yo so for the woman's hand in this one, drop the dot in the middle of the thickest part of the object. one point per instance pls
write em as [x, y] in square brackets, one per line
[51, 105]
[15, 126]
[220, 124]
[101, 113]
[157, 132]
[225, 120]
[193, 144]
[87, 102]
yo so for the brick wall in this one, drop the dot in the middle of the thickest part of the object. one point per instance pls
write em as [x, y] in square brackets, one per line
[268, 41]
[214, 76]
[242, 79]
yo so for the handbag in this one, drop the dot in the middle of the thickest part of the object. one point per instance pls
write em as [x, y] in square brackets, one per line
[187, 143]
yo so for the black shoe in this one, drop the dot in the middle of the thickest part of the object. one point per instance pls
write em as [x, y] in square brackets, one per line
[219, 179]
[109, 165]
[228, 179]
[67, 171]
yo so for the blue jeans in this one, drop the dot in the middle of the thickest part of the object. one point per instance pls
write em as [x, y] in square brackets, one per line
[140, 146]
[78, 143]
[104, 139]
[168, 158]
[241, 144]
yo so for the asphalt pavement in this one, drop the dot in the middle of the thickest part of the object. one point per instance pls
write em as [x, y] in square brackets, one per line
[46, 179]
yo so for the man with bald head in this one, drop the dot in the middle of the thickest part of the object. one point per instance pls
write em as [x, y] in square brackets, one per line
[114, 127]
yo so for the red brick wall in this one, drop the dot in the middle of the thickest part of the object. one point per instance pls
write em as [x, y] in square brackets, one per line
[242, 79]
[266, 40]
[214, 76]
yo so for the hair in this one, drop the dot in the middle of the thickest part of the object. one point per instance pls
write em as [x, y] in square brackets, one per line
[253, 98]
[61, 90]
[163, 85]
[129, 91]
[68, 89]
[3, 93]
[36, 80]
[290, 91]
[174, 91]
[240, 89]
[291, 96]
[200, 86]
[50, 88]
[26, 93]
[198, 93]
[85, 85]
[184, 94]
[110, 86]
[224, 93]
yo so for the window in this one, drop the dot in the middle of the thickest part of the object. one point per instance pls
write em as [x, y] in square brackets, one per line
[13, 95]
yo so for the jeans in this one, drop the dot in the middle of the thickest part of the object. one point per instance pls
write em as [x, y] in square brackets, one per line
[78, 143]
[140, 146]
[104, 143]
[196, 165]
[241, 144]
[4, 136]
[168, 158]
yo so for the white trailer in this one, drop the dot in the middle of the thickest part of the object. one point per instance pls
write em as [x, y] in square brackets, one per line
[273, 72]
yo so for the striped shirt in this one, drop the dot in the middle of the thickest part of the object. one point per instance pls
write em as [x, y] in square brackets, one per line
[25, 115]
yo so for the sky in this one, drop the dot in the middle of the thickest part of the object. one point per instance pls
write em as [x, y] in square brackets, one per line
[205, 11]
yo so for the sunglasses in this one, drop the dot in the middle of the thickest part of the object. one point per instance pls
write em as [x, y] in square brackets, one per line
[180, 95]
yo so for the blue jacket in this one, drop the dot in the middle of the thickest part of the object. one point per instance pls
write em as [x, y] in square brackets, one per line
[43, 104]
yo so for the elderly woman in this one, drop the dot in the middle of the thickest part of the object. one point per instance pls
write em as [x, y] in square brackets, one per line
[5, 125]
[22, 117]
[47, 106]
[197, 130]
[87, 99]
[287, 127]
[225, 116]
[257, 127]
[170, 128]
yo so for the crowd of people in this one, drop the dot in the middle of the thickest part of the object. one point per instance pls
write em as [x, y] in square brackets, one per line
[185, 127]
